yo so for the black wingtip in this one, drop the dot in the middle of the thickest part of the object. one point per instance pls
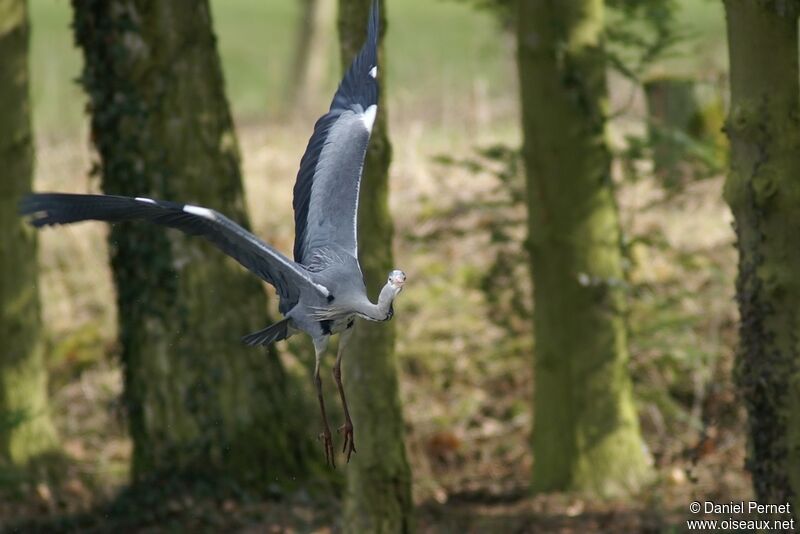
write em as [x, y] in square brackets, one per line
[373, 31]
[24, 205]
[359, 86]
[34, 207]
[369, 50]
[374, 23]
[30, 203]
[47, 209]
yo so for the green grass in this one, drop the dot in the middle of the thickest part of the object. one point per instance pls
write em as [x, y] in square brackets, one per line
[255, 42]
[58, 102]
[436, 51]
[440, 54]
[704, 22]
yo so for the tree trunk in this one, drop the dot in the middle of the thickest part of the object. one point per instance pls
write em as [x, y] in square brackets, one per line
[764, 194]
[378, 494]
[586, 433]
[199, 401]
[310, 61]
[25, 426]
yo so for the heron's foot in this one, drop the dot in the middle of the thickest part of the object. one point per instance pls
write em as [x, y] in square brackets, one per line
[327, 442]
[349, 445]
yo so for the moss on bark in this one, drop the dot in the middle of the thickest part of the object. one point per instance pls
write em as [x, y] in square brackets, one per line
[199, 401]
[586, 433]
[763, 192]
[378, 494]
[25, 426]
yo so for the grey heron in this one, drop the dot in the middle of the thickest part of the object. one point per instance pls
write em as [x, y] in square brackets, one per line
[322, 291]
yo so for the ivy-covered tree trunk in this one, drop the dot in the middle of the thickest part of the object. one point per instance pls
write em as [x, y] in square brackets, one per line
[25, 426]
[199, 401]
[763, 191]
[586, 433]
[378, 494]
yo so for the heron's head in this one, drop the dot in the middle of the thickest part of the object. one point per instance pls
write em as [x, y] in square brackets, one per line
[394, 285]
[396, 280]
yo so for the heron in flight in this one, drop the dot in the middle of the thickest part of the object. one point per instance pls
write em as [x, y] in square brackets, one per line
[322, 291]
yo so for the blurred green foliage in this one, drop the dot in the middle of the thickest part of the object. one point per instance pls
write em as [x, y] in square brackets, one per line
[640, 33]
[76, 352]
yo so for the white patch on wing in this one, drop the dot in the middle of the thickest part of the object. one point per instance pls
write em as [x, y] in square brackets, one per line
[200, 212]
[373, 72]
[323, 289]
[368, 117]
[148, 200]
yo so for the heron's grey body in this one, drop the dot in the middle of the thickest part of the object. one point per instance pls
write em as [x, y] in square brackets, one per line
[322, 291]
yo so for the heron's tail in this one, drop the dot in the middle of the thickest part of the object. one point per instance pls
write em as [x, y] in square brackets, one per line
[271, 334]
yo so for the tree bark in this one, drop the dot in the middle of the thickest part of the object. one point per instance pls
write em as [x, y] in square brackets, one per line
[378, 494]
[199, 401]
[26, 429]
[586, 433]
[311, 53]
[763, 192]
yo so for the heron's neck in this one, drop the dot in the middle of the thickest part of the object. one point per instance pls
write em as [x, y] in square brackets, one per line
[382, 311]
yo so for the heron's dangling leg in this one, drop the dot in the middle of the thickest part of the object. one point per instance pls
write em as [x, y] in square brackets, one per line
[319, 350]
[347, 428]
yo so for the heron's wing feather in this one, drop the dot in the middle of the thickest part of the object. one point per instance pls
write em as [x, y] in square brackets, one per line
[258, 257]
[326, 191]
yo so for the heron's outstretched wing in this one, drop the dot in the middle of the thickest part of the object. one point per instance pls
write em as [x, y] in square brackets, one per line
[326, 191]
[258, 257]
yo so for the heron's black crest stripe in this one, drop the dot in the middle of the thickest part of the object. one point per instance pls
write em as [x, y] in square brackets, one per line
[326, 326]
[357, 91]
